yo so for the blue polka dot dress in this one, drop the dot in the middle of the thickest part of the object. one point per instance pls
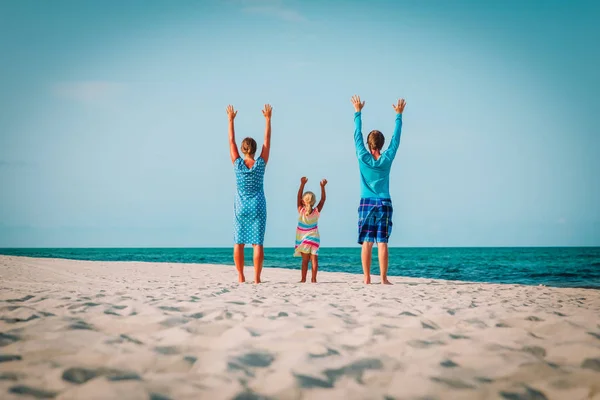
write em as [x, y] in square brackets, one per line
[250, 207]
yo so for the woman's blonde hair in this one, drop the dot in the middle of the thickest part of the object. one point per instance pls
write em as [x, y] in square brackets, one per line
[312, 202]
[248, 146]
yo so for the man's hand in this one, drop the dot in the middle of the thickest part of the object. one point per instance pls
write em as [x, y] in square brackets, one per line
[323, 183]
[303, 180]
[357, 104]
[267, 111]
[231, 113]
[400, 106]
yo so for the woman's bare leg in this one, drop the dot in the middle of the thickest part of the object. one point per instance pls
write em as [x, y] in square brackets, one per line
[238, 259]
[314, 259]
[305, 260]
[259, 258]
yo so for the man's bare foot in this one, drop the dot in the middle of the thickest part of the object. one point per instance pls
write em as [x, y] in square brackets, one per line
[241, 279]
[386, 282]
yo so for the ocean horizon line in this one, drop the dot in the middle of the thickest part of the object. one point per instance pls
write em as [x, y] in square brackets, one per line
[291, 247]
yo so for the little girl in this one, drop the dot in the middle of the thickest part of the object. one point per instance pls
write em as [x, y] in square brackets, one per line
[307, 232]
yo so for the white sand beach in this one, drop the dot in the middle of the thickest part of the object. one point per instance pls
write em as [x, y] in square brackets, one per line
[129, 330]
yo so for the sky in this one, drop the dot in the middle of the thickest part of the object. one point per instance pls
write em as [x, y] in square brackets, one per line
[113, 131]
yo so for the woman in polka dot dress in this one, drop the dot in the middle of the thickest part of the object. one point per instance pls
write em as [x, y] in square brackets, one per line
[250, 207]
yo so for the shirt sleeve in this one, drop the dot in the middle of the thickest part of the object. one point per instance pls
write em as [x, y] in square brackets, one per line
[395, 142]
[358, 136]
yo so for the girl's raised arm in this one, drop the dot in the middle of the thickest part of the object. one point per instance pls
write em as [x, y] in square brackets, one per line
[323, 196]
[303, 181]
[233, 149]
[267, 111]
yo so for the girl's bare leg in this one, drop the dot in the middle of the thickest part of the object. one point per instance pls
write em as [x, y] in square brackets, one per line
[238, 259]
[314, 259]
[259, 258]
[305, 260]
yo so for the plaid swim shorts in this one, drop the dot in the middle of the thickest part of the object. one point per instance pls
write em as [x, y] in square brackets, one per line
[374, 220]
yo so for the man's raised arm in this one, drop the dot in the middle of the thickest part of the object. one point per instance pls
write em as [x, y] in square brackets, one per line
[395, 142]
[359, 142]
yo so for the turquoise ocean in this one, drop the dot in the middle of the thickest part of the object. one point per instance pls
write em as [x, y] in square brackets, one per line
[552, 266]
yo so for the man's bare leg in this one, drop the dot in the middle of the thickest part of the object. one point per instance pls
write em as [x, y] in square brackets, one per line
[314, 259]
[305, 260]
[259, 258]
[238, 259]
[365, 256]
[382, 254]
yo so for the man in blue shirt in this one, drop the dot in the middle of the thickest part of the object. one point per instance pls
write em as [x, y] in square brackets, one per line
[375, 209]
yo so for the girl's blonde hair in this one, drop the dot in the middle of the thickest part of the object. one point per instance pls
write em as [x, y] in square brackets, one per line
[312, 202]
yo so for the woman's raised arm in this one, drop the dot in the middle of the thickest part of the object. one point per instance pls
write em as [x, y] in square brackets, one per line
[233, 150]
[267, 111]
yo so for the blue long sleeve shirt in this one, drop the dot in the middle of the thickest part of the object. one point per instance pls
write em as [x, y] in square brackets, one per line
[375, 174]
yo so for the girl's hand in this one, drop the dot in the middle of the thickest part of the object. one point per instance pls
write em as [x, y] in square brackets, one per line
[267, 111]
[231, 113]
[303, 180]
[323, 183]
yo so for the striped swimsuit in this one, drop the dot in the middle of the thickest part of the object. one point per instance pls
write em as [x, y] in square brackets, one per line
[307, 233]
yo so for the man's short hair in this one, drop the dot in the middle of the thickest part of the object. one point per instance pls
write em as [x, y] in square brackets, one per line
[375, 140]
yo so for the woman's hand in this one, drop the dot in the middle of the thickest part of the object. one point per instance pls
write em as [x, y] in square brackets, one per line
[231, 113]
[323, 183]
[267, 111]
[303, 180]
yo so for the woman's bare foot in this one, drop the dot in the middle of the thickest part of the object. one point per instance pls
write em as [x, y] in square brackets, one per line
[302, 281]
[386, 282]
[368, 281]
[313, 280]
[241, 278]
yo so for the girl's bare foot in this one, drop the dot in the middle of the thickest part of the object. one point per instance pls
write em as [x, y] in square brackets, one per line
[313, 281]
[368, 281]
[386, 282]
[302, 281]
[241, 278]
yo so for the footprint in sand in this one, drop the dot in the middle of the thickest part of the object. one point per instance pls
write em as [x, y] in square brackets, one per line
[537, 351]
[430, 325]
[9, 376]
[528, 394]
[33, 392]
[354, 370]
[591, 363]
[7, 338]
[158, 396]
[166, 350]
[249, 361]
[453, 383]
[319, 351]
[448, 364]
[22, 299]
[424, 344]
[9, 357]
[77, 375]
[81, 325]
